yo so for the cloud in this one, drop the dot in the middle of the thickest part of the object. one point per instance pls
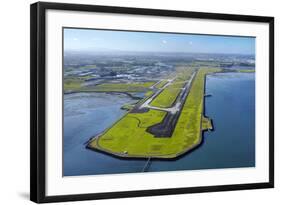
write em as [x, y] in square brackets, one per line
[164, 41]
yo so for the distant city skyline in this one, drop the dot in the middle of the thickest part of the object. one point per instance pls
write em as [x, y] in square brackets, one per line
[110, 41]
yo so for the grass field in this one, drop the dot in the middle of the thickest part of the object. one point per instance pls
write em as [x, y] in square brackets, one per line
[246, 70]
[206, 123]
[72, 84]
[123, 87]
[127, 106]
[75, 84]
[128, 136]
[161, 84]
[188, 129]
[168, 96]
[149, 93]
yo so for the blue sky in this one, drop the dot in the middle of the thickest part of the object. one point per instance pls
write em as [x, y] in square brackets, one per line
[103, 40]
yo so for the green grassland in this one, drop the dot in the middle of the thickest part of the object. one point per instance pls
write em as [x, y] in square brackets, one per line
[75, 84]
[127, 106]
[183, 73]
[149, 93]
[188, 128]
[246, 71]
[87, 67]
[122, 87]
[161, 84]
[206, 123]
[168, 96]
[71, 84]
[128, 136]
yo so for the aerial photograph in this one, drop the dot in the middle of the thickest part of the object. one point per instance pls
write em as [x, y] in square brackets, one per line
[142, 101]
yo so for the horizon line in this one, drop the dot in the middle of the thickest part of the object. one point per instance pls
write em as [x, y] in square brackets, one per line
[161, 52]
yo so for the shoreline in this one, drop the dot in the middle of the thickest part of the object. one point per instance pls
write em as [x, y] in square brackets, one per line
[106, 92]
[164, 156]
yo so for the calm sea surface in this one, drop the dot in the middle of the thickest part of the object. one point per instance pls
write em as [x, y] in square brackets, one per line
[230, 145]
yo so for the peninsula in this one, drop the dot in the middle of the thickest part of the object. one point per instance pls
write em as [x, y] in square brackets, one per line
[165, 124]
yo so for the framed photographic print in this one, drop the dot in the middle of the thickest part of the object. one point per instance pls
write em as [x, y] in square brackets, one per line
[129, 102]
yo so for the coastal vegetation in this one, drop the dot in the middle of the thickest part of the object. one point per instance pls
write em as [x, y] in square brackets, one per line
[161, 84]
[246, 70]
[122, 87]
[72, 84]
[129, 134]
[127, 106]
[188, 128]
[206, 123]
[168, 96]
[128, 137]
[76, 84]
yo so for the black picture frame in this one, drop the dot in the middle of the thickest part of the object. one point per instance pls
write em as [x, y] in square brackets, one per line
[38, 101]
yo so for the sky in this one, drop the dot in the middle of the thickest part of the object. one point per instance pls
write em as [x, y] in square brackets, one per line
[108, 40]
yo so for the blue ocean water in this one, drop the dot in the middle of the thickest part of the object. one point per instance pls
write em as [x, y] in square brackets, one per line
[231, 144]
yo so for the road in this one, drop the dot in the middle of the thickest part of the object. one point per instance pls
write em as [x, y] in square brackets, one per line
[180, 98]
